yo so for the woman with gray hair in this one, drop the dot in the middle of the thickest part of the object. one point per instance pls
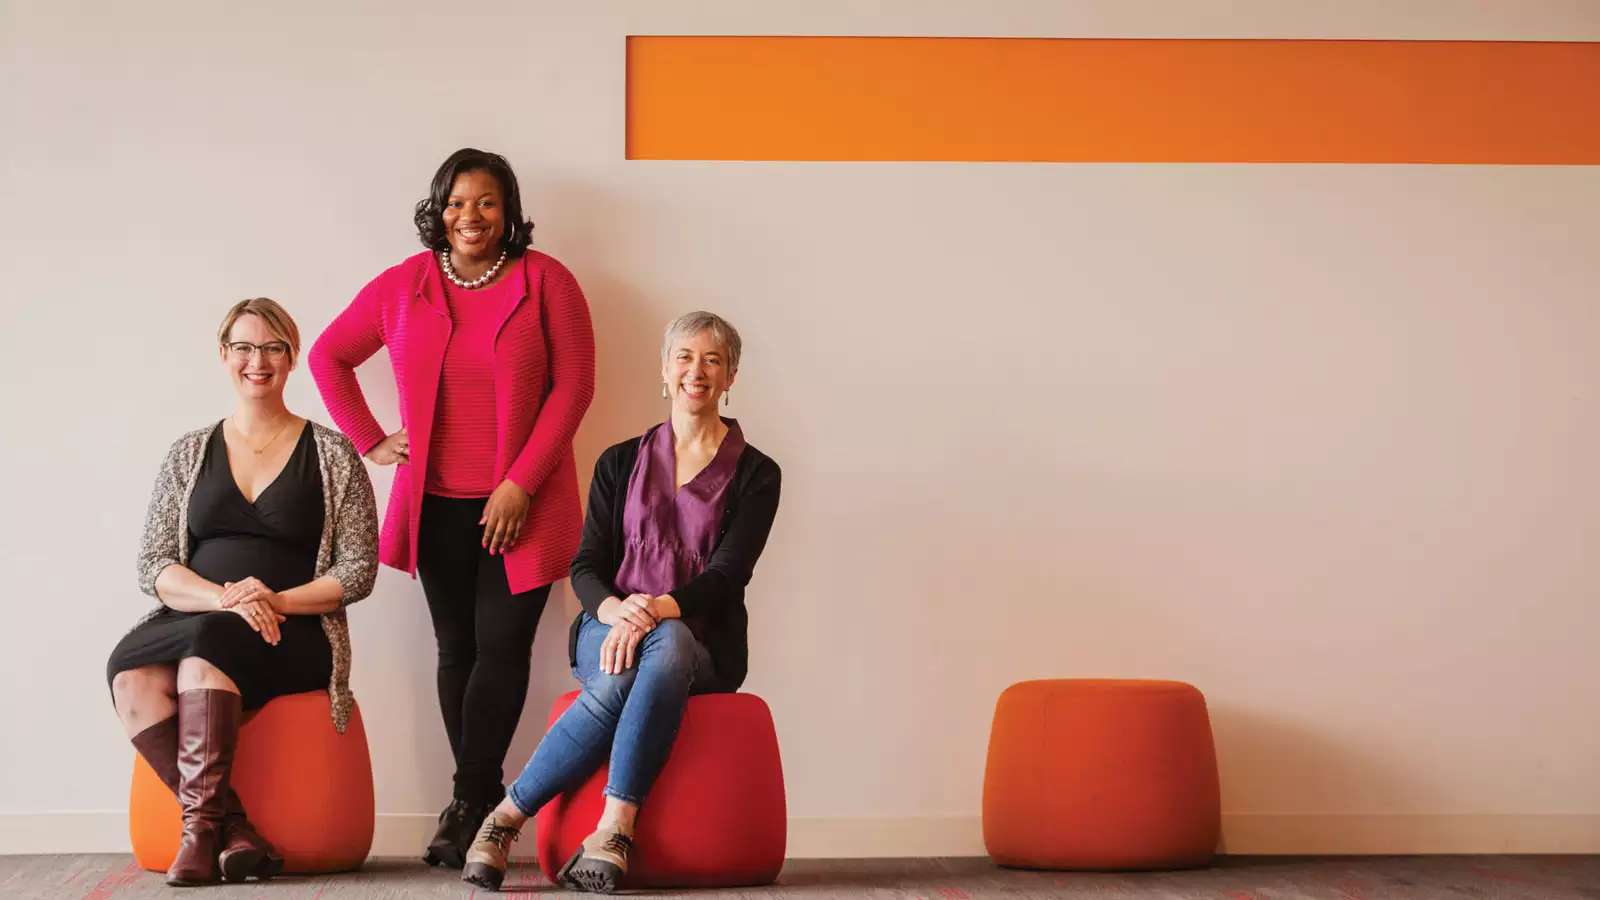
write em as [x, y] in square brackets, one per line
[677, 519]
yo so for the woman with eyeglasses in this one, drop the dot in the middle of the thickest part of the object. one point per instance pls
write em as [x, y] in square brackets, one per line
[493, 359]
[260, 531]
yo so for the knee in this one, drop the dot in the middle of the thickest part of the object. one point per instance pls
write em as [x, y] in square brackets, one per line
[198, 673]
[455, 648]
[670, 647]
[606, 694]
[129, 686]
[195, 669]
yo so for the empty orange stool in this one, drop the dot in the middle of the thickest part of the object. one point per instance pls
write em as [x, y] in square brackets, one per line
[716, 816]
[1101, 774]
[306, 787]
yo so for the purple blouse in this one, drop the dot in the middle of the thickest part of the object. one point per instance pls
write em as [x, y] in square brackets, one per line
[669, 532]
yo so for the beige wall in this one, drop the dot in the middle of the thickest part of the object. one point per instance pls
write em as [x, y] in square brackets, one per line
[1316, 438]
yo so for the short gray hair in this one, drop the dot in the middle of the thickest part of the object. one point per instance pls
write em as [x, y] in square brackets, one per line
[695, 322]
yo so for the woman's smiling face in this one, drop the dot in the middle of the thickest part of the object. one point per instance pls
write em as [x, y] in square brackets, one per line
[257, 360]
[474, 216]
[696, 371]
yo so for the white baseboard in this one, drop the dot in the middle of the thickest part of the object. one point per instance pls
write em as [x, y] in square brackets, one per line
[1390, 833]
[404, 834]
[830, 838]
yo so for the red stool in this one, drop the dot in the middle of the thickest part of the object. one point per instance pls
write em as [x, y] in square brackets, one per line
[306, 787]
[716, 816]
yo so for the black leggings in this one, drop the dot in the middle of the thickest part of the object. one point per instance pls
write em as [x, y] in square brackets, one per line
[485, 636]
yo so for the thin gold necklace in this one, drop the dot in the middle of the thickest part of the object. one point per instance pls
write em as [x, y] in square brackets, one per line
[270, 441]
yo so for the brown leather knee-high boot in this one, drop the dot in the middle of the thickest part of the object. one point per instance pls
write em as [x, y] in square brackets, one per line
[158, 744]
[244, 852]
[208, 731]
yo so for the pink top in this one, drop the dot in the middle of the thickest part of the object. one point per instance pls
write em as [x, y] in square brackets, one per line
[464, 420]
[543, 382]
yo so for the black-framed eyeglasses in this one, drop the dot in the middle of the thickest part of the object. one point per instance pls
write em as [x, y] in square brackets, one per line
[269, 350]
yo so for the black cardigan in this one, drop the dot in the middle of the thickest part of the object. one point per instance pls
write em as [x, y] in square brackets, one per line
[713, 601]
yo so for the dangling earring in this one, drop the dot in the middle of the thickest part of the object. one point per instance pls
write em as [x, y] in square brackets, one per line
[727, 396]
[664, 391]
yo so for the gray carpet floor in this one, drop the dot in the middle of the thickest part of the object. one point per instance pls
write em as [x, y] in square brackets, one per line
[115, 877]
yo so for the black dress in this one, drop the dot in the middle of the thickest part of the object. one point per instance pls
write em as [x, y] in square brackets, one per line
[274, 539]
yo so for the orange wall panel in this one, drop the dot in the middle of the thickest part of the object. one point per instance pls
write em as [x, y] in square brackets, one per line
[1096, 100]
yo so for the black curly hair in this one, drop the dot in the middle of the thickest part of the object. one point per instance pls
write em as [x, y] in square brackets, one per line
[430, 209]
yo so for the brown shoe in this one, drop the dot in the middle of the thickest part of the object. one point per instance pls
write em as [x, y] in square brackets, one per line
[208, 731]
[489, 855]
[244, 852]
[599, 865]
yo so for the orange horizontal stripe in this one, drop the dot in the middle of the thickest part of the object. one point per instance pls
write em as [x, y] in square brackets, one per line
[1083, 100]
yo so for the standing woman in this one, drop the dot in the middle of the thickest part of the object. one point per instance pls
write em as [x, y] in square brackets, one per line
[493, 357]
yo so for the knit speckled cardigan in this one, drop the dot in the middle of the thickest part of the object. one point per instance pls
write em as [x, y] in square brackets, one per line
[348, 550]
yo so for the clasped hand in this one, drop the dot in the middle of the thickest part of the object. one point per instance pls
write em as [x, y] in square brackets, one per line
[257, 604]
[632, 619]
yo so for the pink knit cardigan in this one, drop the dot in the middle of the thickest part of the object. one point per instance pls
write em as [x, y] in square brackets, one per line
[543, 382]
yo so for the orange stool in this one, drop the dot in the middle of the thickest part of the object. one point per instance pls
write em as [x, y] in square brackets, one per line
[306, 787]
[1101, 774]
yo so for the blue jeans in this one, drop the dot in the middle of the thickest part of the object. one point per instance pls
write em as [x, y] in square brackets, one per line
[633, 717]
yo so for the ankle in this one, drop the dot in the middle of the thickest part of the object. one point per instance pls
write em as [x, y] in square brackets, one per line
[508, 815]
[618, 817]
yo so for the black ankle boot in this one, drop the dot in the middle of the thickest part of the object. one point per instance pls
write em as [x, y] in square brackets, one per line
[457, 825]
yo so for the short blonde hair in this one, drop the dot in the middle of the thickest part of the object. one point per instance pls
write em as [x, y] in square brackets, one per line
[695, 322]
[278, 320]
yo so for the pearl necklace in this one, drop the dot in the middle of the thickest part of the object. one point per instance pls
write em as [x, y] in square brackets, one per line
[485, 278]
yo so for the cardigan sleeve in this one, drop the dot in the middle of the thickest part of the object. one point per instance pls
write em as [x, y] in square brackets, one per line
[734, 560]
[158, 547]
[355, 530]
[352, 338]
[596, 562]
[570, 337]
